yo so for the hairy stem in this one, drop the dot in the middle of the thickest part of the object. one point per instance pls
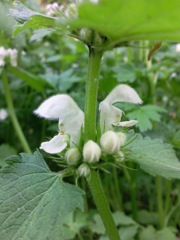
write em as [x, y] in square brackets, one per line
[90, 133]
[13, 116]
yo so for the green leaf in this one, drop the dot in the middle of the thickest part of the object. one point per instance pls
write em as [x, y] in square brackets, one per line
[165, 234]
[145, 115]
[34, 81]
[34, 202]
[121, 219]
[128, 232]
[36, 21]
[131, 20]
[124, 72]
[30, 19]
[146, 218]
[154, 157]
[5, 152]
[148, 233]
[124, 20]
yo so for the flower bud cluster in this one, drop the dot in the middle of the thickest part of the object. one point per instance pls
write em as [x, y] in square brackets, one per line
[110, 143]
[11, 53]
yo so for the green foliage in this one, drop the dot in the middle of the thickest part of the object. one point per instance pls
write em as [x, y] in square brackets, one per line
[143, 23]
[150, 233]
[37, 83]
[128, 228]
[34, 202]
[145, 115]
[132, 20]
[154, 157]
[5, 152]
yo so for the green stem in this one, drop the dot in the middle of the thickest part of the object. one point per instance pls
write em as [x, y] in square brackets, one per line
[91, 95]
[90, 133]
[117, 189]
[168, 195]
[12, 114]
[160, 201]
[102, 206]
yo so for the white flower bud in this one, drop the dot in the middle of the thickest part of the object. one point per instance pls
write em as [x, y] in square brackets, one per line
[120, 156]
[110, 142]
[83, 170]
[91, 152]
[72, 156]
[122, 137]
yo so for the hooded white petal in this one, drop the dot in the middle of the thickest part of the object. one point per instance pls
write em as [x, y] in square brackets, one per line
[126, 123]
[55, 145]
[65, 109]
[58, 106]
[123, 93]
[111, 115]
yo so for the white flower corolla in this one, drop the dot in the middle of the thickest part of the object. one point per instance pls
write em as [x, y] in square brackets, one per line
[178, 47]
[3, 54]
[11, 53]
[110, 142]
[83, 170]
[91, 152]
[111, 115]
[70, 117]
[3, 114]
[122, 137]
[52, 8]
[72, 156]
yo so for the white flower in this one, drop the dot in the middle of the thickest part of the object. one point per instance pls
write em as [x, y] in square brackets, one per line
[111, 115]
[91, 152]
[83, 170]
[72, 156]
[2, 56]
[110, 142]
[178, 47]
[3, 114]
[11, 53]
[70, 117]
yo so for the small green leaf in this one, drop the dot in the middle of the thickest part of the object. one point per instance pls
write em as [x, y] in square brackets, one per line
[124, 72]
[36, 21]
[34, 81]
[121, 219]
[165, 234]
[148, 233]
[145, 115]
[34, 202]
[21, 13]
[154, 157]
[5, 152]
[128, 232]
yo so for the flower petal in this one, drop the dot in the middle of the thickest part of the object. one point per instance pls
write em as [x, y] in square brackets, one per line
[109, 115]
[126, 123]
[71, 125]
[58, 106]
[55, 145]
[123, 93]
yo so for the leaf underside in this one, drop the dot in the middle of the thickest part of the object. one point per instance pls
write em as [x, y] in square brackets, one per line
[119, 21]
